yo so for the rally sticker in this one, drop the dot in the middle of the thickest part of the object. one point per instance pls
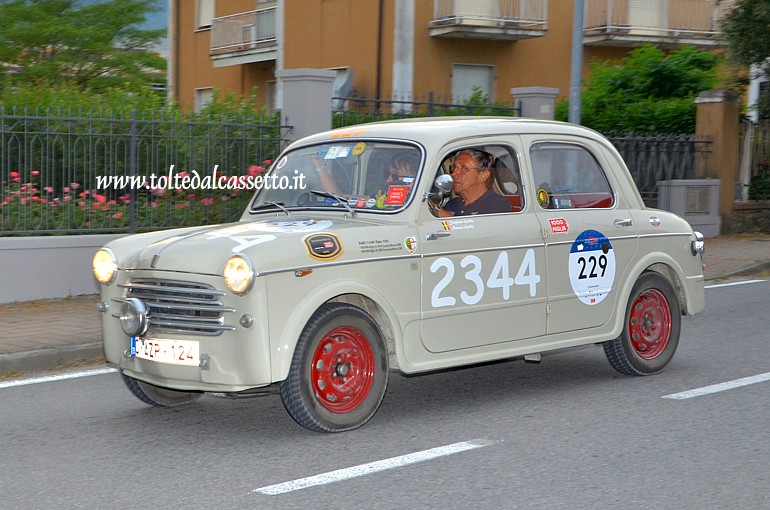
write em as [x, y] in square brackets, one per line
[410, 243]
[397, 195]
[558, 225]
[323, 246]
[591, 267]
[359, 148]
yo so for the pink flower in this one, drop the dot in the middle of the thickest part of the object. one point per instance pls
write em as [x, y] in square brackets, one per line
[14, 174]
[35, 173]
[105, 207]
[268, 162]
[207, 201]
[23, 201]
[74, 185]
[117, 215]
[159, 191]
[182, 175]
[190, 196]
[255, 170]
[15, 179]
[48, 189]
[181, 206]
[36, 199]
[67, 198]
[225, 198]
[101, 198]
[66, 189]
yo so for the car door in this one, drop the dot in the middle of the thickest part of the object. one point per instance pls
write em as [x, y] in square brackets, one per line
[590, 238]
[483, 276]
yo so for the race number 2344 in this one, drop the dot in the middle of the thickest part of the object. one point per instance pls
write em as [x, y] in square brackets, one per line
[497, 278]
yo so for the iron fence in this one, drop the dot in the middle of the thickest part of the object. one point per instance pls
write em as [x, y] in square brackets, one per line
[347, 111]
[654, 158]
[95, 173]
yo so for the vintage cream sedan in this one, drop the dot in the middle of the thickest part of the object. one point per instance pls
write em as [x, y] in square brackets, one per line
[348, 265]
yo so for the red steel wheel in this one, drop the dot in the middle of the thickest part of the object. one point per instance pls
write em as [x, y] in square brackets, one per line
[339, 370]
[342, 370]
[649, 324]
[650, 333]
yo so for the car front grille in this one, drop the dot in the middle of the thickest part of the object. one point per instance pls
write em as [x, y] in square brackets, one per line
[181, 307]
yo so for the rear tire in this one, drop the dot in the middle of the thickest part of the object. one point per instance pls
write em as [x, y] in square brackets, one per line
[651, 328]
[339, 371]
[157, 396]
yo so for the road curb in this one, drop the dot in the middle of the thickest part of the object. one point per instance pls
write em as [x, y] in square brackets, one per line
[46, 359]
[756, 268]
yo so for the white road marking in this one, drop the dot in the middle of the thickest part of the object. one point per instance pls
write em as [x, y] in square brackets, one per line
[59, 377]
[717, 285]
[715, 388]
[373, 467]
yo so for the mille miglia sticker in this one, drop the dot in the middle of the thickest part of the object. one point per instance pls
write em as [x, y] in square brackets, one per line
[591, 267]
[324, 246]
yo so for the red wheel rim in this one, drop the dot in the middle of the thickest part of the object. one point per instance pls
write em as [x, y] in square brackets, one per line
[649, 324]
[343, 370]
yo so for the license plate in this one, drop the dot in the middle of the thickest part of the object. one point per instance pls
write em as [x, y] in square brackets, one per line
[174, 352]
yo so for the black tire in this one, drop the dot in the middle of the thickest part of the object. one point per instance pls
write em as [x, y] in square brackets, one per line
[339, 371]
[157, 396]
[650, 330]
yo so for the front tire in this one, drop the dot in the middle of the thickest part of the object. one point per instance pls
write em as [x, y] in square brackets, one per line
[651, 329]
[157, 396]
[339, 371]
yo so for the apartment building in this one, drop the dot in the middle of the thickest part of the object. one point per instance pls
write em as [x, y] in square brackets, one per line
[410, 48]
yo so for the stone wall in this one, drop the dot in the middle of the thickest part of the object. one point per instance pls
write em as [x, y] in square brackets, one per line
[750, 217]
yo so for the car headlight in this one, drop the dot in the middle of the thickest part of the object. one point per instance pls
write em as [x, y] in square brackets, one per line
[105, 266]
[239, 274]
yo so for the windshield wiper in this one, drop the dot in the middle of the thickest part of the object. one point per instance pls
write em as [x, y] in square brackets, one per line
[338, 198]
[267, 204]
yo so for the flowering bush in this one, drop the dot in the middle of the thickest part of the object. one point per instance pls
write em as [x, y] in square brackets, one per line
[29, 205]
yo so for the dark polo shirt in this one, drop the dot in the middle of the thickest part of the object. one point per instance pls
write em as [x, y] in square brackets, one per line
[488, 203]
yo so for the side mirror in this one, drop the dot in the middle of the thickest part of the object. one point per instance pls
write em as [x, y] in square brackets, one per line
[443, 185]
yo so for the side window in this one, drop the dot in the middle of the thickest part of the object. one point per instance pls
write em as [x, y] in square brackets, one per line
[568, 176]
[486, 180]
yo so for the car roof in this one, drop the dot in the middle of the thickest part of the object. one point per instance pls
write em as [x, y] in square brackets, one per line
[432, 129]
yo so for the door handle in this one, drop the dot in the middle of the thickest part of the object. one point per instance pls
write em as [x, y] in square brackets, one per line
[432, 236]
[626, 222]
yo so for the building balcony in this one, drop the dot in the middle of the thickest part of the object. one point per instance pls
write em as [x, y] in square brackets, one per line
[501, 20]
[244, 38]
[666, 23]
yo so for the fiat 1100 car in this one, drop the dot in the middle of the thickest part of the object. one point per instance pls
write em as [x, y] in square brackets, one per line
[408, 246]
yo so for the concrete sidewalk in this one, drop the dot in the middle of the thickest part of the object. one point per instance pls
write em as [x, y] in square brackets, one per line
[46, 334]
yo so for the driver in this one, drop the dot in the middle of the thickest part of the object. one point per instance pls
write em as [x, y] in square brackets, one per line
[472, 175]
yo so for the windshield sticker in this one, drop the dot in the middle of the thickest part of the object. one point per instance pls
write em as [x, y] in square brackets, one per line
[324, 247]
[410, 243]
[380, 201]
[397, 195]
[332, 152]
[591, 267]
[281, 163]
[371, 203]
[379, 246]
[358, 149]
[299, 225]
[558, 225]
[343, 152]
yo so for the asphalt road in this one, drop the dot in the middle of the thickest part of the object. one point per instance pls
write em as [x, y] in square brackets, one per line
[570, 433]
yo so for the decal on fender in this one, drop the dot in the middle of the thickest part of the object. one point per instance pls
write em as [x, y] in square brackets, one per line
[324, 246]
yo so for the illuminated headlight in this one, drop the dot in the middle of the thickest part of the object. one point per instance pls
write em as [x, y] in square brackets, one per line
[105, 266]
[239, 274]
[698, 246]
[133, 317]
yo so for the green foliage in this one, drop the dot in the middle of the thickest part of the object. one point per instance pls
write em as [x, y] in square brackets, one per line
[647, 91]
[90, 47]
[759, 188]
[745, 28]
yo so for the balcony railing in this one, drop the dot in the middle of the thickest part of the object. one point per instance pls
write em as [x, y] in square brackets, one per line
[489, 19]
[243, 32]
[665, 22]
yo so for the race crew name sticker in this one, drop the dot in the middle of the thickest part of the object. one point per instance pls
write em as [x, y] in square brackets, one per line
[324, 246]
[591, 267]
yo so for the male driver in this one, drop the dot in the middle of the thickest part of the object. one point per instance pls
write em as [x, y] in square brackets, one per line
[472, 183]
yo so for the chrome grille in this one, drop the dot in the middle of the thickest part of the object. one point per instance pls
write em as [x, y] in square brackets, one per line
[181, 307]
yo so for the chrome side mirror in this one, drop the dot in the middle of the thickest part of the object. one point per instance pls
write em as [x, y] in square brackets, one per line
[443, 184]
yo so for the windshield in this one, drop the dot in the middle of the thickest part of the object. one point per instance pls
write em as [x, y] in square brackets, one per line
[367, 176]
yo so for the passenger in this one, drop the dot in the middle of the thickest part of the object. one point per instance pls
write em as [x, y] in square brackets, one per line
[473, 175]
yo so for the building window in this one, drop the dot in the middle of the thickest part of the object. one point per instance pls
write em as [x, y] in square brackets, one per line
[204, 13]
[202, 98]
[469, 79]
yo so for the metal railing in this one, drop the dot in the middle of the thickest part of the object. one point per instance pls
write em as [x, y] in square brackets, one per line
[665, 18]
[495, 12]
[243, 31]
[347, 111]
[62, 173]
[653, 158]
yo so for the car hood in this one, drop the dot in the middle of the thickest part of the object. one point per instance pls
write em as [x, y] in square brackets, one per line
[270, 243]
